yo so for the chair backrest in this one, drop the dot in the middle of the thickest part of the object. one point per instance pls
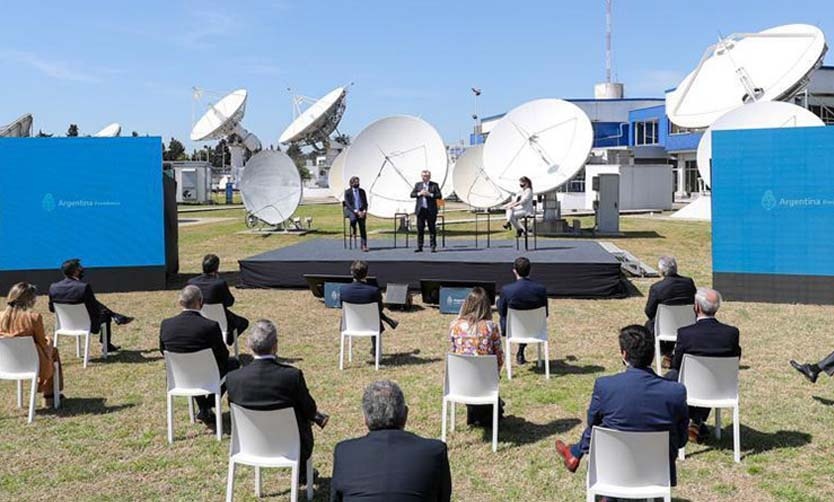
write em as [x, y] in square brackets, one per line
[527, 323]
[472, 376]
[18, 355]
[628, 459]
[671, 317]
[260, 433]
[72, 317]
[217, 313]
[709, 377]
[192, 370]
[360, 317]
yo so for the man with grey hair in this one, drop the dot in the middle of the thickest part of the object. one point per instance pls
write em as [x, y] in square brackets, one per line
[426, 193]
[389, 463]
[191, 332]
[266, 384]
[673, 289]
[707, 337]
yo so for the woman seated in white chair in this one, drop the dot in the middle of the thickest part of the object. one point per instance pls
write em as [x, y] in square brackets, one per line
[18, 320]
[520, 205]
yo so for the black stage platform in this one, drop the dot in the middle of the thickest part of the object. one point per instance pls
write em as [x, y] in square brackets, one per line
[569, 268]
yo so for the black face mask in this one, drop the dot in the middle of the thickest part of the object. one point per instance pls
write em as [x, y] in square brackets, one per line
[81, 274]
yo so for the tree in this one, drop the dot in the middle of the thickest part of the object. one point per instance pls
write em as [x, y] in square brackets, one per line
[220, 154]
[42, 134]
[176, 151]
[72, 132]
[299, 159]
[134, 134]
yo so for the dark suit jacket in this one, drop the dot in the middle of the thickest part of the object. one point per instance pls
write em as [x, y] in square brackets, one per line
[361, 293]
[671, 290]
[522, 294]
[266, 384]
[191, 332]
[352, 205]
[74, 292]
[431, 199]
[388, 465]
[707, 337]
[214, 289]
[638, 400]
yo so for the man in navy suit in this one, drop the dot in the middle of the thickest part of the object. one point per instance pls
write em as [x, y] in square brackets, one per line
[523, 294]
[356, 208]
[635, 400]
[707, 337]
[216, 290]
[361, 292]
[72, 290]
[427, 193]
[389, 463]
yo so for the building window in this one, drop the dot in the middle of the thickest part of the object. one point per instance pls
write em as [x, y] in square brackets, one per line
[676, 129]
[576, 184]
[691, 177]
[646, 132]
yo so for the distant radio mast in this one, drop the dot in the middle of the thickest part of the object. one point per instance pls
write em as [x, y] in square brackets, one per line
[608, 41]
[608, 89]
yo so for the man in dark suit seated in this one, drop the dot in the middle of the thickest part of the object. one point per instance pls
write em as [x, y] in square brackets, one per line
[216, 290]
[356, 209]
[673, 289]
[389, 463]
[707, 337]
[72, 290]
[361, 292]
[191, 332]
[523, 294]
[266, 384]
[427, 193]
[635, 400]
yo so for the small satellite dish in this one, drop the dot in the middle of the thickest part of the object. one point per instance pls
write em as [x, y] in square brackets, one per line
[20, 128]
[772, 65]
[761, 115]
[111, 131]
[547, 140]
[334, 177]
[473, 186]
[389, 155]
[271, 186]
[314, 125]
[223, 119]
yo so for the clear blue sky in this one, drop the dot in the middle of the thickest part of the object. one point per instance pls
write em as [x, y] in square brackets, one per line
[135, 62]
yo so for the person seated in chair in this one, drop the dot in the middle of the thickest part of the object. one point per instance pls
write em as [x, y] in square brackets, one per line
[673, 289]
[356, 209]
[523, 294]
[635, 400]
[72, 290]
[520, 205]
[360, 292]
[190, 332]
[266, 384]
[811, 371]
[215, 290]
[389, 463]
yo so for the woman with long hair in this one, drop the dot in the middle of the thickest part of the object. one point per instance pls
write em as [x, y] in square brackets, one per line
[17, 319]
[520, 205]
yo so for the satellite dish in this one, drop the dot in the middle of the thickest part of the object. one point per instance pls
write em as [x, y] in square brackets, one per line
[20, 128]
[111, 131]
[315, 124]
[547, 140]
[223, 119]
[334, 177]
[271, 186]
[389, 155]
[448, 188]
[772, 65]
[473, 186]
[761, 115]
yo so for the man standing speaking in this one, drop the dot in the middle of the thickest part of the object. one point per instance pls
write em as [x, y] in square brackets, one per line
[427, 193]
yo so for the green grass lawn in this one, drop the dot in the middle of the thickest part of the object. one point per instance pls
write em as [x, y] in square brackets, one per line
[108, 441]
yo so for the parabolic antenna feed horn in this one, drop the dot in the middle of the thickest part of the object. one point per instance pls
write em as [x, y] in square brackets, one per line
[472, 185]
[547, 140]
[388, 156]
[271, 187]
[761, 115]
[772, 65]
[110, 131]
[313, 126]
[20, 128]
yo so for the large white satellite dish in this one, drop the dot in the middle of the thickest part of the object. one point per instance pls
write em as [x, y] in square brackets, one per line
[314, 125]
[771, 65]
[448, 187]
[547, 140]
[472, 185]
[20, 128]
[223, 119]
[271, 186]
[110, 131]
[389, 155]
[761, 115]
[334, 177]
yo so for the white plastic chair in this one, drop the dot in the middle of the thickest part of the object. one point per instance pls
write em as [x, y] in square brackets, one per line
[666, 323]
[266, 439]
[712, 382]
[217, 313]
[19, 362]
[471, 380]
[359, 319]
[527, 326]
[633, 465]
[74, 320]
[193, 374]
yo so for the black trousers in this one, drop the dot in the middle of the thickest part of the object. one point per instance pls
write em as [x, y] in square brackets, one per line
[356, 220]
[106, 316]
[206, 403]
[236, 323]
[424, 216]
[827, 364]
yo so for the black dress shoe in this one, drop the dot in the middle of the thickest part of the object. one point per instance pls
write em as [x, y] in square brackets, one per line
[807, 371]
[520, 359]
[418, 250]
[113, 348]
[506, 226]
[207, 417]
[433, 249]
[122, 320]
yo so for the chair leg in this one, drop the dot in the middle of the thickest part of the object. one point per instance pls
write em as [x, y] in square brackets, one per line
[350, 349]
[667, 498]
[657, 353]
[56, 386]
[718, 424]
[443, 421]
[77, 347]
[377, 350]
[310, 479]
[681, 453]
[258, 486]
[736, 436]
[538, 355]
[453, 411]
[495, 426]
[341, 352]
[546, 360]
[191, 409]
[590, 496]
[86, 349]
[230, 482]
[218, 416]
[237, 349]
[294, 485]
[508, 359]
[20, 393]
[171, 421]
[32, 397]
